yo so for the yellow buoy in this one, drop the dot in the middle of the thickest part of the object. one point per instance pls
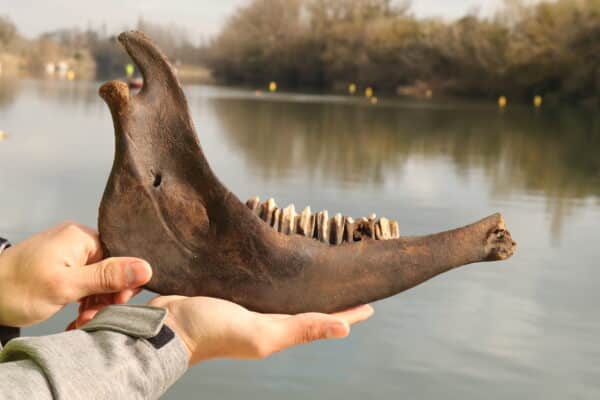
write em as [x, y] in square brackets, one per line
[537, 101]
[369, 92]
[70, 75]
[273, 86]
[2, 136]
[429, 93]
[352, 88]
[374, 100]
[502, 101]
[129, 70]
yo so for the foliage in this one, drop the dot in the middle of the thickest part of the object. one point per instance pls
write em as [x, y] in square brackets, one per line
[94, 48]
[8, 31]
[548, 48]
[527, 48]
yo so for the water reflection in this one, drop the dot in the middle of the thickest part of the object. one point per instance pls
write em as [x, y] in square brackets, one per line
[525, 328]
[552, 153]
[9, 88]
[80, 93]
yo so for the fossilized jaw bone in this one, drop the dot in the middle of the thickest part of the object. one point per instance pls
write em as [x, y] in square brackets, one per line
[319, 226]
[163, 203]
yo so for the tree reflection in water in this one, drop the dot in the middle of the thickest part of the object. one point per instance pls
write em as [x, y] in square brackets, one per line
[552, 153]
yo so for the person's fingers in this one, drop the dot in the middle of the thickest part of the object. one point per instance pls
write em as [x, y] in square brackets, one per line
[356, 314]
[91, 306]
[305, 328]
[293, 330]
[351, 316]
[93, 247]
[84, 238]
[124, 296]
[278, 316]
[71, 326]
[163, 301]
[85, 317]
[110, 276]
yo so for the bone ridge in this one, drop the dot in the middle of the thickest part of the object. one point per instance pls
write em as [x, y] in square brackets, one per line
[319, 226]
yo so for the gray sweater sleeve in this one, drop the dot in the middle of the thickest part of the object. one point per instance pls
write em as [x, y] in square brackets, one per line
[125, 352]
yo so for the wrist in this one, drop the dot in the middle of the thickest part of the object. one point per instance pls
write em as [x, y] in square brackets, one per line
[171, 322]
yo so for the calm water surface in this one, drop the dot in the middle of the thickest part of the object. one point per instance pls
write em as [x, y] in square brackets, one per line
[526, 328]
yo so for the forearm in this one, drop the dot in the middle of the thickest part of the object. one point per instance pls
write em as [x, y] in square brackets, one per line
[23, 379]
[123, 353]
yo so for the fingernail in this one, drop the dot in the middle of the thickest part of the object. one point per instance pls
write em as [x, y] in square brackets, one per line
[337, 330]
[138, 273]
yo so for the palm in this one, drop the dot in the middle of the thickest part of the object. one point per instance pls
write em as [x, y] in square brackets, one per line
[215, 328]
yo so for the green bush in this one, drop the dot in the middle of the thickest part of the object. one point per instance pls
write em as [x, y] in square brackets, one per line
[549, 48]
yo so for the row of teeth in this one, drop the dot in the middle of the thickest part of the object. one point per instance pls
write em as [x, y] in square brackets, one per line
[319, 226]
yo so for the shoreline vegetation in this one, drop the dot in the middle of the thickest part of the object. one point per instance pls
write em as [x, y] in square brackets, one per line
[72, 53]
[543, 51]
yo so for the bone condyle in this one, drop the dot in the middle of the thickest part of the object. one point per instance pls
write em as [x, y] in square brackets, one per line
[201, 240]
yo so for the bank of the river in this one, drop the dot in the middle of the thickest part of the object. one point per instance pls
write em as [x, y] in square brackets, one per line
[12, 66]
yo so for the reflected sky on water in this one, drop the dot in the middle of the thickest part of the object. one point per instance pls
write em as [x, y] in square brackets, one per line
[525, 328]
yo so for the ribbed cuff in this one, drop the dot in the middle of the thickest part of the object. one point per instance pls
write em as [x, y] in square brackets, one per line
[8, 333]
[136, 321]
[4, 244]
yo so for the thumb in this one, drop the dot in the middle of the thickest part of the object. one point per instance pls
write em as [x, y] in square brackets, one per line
[113, 275]
[305, 328]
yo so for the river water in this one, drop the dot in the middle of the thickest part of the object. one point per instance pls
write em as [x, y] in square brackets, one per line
[525, 328]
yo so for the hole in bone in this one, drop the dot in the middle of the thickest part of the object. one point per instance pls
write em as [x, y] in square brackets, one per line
[157, 179]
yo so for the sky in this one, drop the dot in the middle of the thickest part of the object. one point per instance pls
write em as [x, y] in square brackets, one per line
[200, 18]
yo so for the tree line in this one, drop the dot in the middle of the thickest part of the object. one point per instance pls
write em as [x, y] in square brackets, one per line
[551, 49]
[93, 48]
[548, 48]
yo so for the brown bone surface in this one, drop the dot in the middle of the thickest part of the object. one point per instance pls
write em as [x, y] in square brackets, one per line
[164, 203]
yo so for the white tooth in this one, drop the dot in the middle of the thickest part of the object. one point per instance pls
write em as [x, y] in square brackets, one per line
[254, 205]
[384, 228]
[294, 220]
[277, 220]
[394, 230]
[268, 209]
[337, 229]
[372, 225]
[323, 226]
[288, 217]
[350, 227]
[296, 224]
[378, 234]
[306, 226]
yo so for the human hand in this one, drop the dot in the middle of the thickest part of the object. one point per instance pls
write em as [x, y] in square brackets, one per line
[42, 274]
[215, 328]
